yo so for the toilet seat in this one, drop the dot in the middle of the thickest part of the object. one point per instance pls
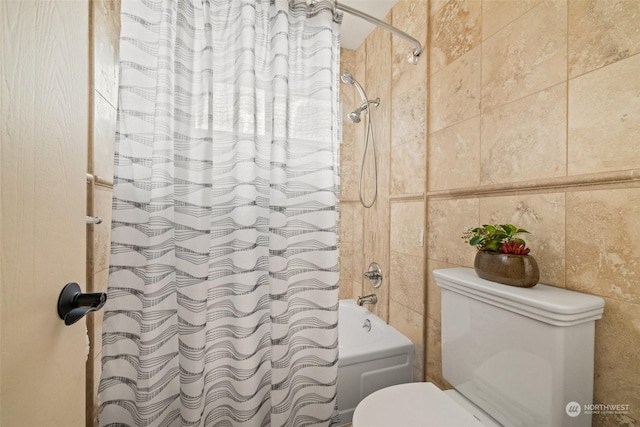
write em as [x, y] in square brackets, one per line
[411, 405]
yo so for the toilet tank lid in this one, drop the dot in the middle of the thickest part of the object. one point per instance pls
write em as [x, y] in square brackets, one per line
[556, 306]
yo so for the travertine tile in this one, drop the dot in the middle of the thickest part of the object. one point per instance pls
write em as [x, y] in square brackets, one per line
[434, 355]
[436, 5]
[447, 220]
[496, 14]
[617, 376]
[376, 219]
[358, 236]
[378, 82]
[543, 215]
[370, 181]
[349, 175]
[408, 168]
[455, 92]
[347, 104]
[407, 321]
[378, 251]
[381, 309]
[408, 117]
[406, 281]
[345, 290]
[526, 139]
[378, 63]
[454, 156]
[603, 250]
[347, 60]
[602, 32]
[407, 225]
[604, 119]
[347, 148]
[360, 73]
[526, 56]
[411, 17]
[434, 309]
[104, 137]
[408, 112]
[105, 25]
[356, 290]
[350, 249]
[613, 420]
[348, 222]
[456, 29]
[347, 268]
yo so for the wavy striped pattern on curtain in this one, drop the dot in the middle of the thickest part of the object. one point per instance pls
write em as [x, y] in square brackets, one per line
[223, 285]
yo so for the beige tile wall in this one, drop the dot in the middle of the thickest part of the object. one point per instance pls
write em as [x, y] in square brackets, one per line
[105, 31]
[531, 112]
[376, 219]
[391, 232]
[542, 116]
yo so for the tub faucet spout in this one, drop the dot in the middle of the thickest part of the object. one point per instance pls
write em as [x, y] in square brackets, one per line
[368, 299]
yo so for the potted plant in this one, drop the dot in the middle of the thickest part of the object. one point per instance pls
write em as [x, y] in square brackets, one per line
[502, 257]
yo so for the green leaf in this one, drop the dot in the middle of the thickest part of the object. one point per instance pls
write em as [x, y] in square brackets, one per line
[475, 240]
[509, 229]
[492, 245]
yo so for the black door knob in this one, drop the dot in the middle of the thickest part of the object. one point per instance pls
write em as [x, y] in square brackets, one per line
[73, 305]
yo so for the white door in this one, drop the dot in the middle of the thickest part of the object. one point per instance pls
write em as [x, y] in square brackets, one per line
[44, 97]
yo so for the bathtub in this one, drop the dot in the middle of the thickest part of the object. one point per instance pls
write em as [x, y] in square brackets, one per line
[368, 360]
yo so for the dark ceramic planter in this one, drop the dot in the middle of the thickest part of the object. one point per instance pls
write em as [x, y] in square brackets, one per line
[508, 269]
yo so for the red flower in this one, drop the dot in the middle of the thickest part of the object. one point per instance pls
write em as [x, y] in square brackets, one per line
[514, 247]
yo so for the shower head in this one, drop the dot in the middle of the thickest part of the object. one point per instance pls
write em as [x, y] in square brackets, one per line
[348, 79]
[355, 115]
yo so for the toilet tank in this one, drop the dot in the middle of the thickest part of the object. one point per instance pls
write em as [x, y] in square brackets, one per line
[523, 355]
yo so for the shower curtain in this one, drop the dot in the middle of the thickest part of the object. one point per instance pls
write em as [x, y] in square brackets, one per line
[223, 284]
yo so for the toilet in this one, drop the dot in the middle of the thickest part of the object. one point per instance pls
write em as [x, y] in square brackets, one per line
[515, 357]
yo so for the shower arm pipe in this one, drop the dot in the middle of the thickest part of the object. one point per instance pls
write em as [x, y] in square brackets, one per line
[413, 56]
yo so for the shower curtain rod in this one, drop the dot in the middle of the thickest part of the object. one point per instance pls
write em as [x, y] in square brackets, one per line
[412, 57]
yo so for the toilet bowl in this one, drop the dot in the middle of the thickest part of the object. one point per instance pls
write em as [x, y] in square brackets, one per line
[419, 404]
[516, 357]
